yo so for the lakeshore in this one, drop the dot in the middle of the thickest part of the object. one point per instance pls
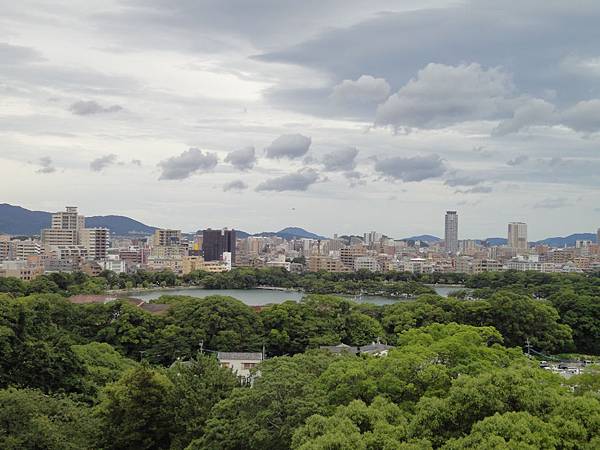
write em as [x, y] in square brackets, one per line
[264, 295]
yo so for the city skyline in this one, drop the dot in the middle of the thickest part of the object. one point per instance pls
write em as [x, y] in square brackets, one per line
[439, 233]
[70, 245]
[247, 112]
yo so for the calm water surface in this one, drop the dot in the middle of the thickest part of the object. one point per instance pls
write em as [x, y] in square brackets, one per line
[256, 297]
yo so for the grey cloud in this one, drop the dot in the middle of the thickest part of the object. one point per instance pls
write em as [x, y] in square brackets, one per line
[525, 38]
[46, 165]
[355, 178]
[299, 181]
[462, 180]
[340, 160]
[136, 162]
[533, 112]
[443, 95]
[518, 160]
[186, 164]
[212, 25]
[242, 159]
[308, 160]
[365, 89]
[480, 150]
[552, 203]
[236, 185]
[288, 146]
[564, 171]
[16, 54]
[90, 107]
[416, 168]
[584, 116]
[475, 190]
[583, 67]
[101, 163]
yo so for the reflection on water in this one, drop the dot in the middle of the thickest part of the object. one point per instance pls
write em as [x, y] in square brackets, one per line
[256, 297]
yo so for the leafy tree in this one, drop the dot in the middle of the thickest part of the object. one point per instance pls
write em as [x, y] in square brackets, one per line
[582, 314]
[519, 318]
[292, 327]
[380, 425]
[137, 411]
[30, 419]
[36, 350]
[265, 416]
[471, 399]
[223, 323]
[198, 385]
[102, 364]
[509, 430]
[126, 327]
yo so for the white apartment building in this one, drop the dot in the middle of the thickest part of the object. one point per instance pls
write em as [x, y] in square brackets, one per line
[415, 265]
[366, 263]
[114, 264]
[22, 249]
[69, 252]
[59, 236]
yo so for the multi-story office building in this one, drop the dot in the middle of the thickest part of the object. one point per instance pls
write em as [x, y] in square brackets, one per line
[4, 246]
[68, 232]
[372, 238]
[22, 249]
[517, 235]
[65, 228]
[468, 247]
[318, 263]
[366, 263]
[59, 236]
[68, 219]
[217, 242]
[96, 241]
[451, 232]
[349, 254]
[167, 238]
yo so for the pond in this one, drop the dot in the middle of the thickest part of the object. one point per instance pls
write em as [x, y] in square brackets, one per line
[257, 297]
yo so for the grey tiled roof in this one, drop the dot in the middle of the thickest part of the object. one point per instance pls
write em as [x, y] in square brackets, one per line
[246, 356]
[376, 347]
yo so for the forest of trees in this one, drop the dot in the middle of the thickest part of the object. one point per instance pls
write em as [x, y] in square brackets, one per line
[110, 376]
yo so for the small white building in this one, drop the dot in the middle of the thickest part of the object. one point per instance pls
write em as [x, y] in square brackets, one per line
[366, 263]
[240, 363]
[113, 263]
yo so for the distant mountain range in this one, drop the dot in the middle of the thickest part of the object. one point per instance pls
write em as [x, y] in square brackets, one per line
[568, 241]
[494, 241]
[423, 238]
[18, 221]
[291, 233]
[287, 233]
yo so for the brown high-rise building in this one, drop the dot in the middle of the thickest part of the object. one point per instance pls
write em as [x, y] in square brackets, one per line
[217, 242]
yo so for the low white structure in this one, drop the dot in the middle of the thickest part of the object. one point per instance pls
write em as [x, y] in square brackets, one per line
[240, 363]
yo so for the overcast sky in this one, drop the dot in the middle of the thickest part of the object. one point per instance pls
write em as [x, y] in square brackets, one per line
[339, 116]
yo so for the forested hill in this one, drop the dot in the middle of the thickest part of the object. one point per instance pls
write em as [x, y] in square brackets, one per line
[114, 376]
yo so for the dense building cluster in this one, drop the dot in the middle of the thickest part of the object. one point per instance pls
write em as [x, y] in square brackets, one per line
[69, 246]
